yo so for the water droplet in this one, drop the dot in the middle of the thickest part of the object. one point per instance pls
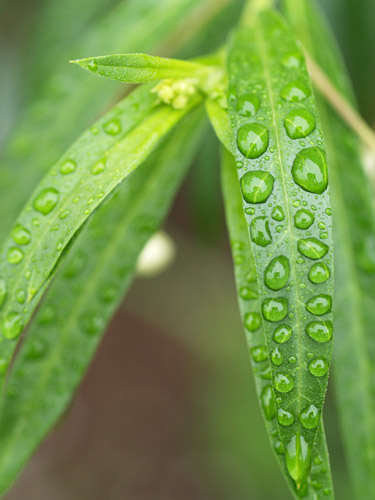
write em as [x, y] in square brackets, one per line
[3, 291]
[292, 60]
[64, 214]
[282, 334]
[283, 383]
[276, 274]
[309, 417]
[319, 273]
[266, 373]
[312, 248]
[299, 123]
[12, 325]
[91, 323]
[112, 127]
[318, 367]
[298, 458]
[292, 360]
[259, 353]
[277, 357]
[327, 491]
[92, 65]
[295, 91]
[14, 255]
[46, 200]
[328, 211]
[316, 484]
[98, 168]
[275, 309]
[21, 235]
[320, 331]
[248, 105]
[303, 219]
[20, 296]
[256, 186]
[319, 304]
[278, 213]
[3, 366]
[268, 404]
[109, 293]
[239, 164]
[247, 293]
[68, 167]
[252, 140]
[260, 231]
[279, 447]
[284, 417]
[310, 171]
[36, 350]
[252, 321]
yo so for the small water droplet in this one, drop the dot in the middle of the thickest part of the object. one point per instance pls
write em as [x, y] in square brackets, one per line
[275, 309]
[267, 402]
[292, 360]
[98, 168]
[309, 417]
[21, 235]
[319, 273]
[91, 323]
[282, 334]
[292, 60]
[278, 213]
[247, 293]
[15, 255]
[46, 200]
[320, 331]
[283, 383]
[252, 321]
[3, 291]
[12, 325]
[248, 105]
[112, 127]
[303, 219]
[260, 231]
[252, 140]
[319, 304]
[310, 171]
[295, 91]
[284, 417]
[64, 214]
[279, 447]
[20, 296]
[299, 123]
[318, 367]
[312, 248]
[259, 353]
[68, 167]
[328, 211]
[276, 274]
[276, 357]
[257, 186]
[92, 65]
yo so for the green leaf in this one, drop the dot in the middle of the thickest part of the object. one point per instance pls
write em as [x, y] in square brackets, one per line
[282, 171]
[142, 68]
[69, 193]
[220, 122]
[354, 235]
[66, 331]
[245, 273]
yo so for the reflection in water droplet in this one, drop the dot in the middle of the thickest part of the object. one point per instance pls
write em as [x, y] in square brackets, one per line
[303, 219]
[295, 91]
[252, 140]
[275, 309]
[310, 170]
[268, 404]
[68, 167]
[21, 235]
[283, 383]
[320, 331]
[252, 321]
[309, 417]
[14, 255]
[248, 105]
[299, 123]
[318, 367]
[259, 353]
[319, 304]
[276, 274]
[312, 248]
[260, 231]
[256, 186]
[284, 417]
[12, 325]
[298, 458]
[319, 273]
[46, 200]
[282, 334]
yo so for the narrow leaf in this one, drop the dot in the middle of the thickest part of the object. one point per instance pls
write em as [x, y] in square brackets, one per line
[354, 234]
[141, 68]
[282, 170]
[220, 122]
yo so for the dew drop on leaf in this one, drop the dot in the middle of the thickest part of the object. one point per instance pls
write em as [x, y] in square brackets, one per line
[260, 231]
[275, 309]
[46, 200]
[68, 167]
[98, 168]
[303, 219]
[267, 402]
[279, 447]
[259, 353]
[309, 417]
[319, 273]
[298, 458]
[312, 248]
[3, 291]
[276, 274]
[299, 123]
[276, 357]
[252, 140]
[278, 213]
[248, 105]
[92, 65]
[284, 417]
[310, 170]
[20, 296]
[21, 235]
[318, 367]
[91, 323]
[256, 186]
[15, 255]
[12, 325]
[319, 304]
[282, 334]
[292, 60]
[112, 127]
[247, 293]
[283, 383]
[320, 331]
[295, 92]
[36, 350]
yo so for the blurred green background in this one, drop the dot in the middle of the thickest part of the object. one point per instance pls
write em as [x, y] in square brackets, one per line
[167, 410]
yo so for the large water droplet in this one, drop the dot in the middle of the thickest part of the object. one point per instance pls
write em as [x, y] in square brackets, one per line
[68, 167]
[112, 127]
[259, 353]
[252, 321]
[309, 417]
[276, 357]
[283, 382]
[278, 213]
[21, 235]
[284, 417]
[298, 458]
[299, 123]
[248, 105]
[268, 404]
[295, 91]
[303, 219]
[12, 325]
[310, 171]
[3, 291]
[319, 273]
[276, 274]
[318, 367]
[260, 231]
[256, 186]
[312, 248]
[279, 447]
[319, 304]
[92, 65]
[275, 309]
[46, 200]
[282, 334]
[14, 255]
[252, 140]
[320, 331]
